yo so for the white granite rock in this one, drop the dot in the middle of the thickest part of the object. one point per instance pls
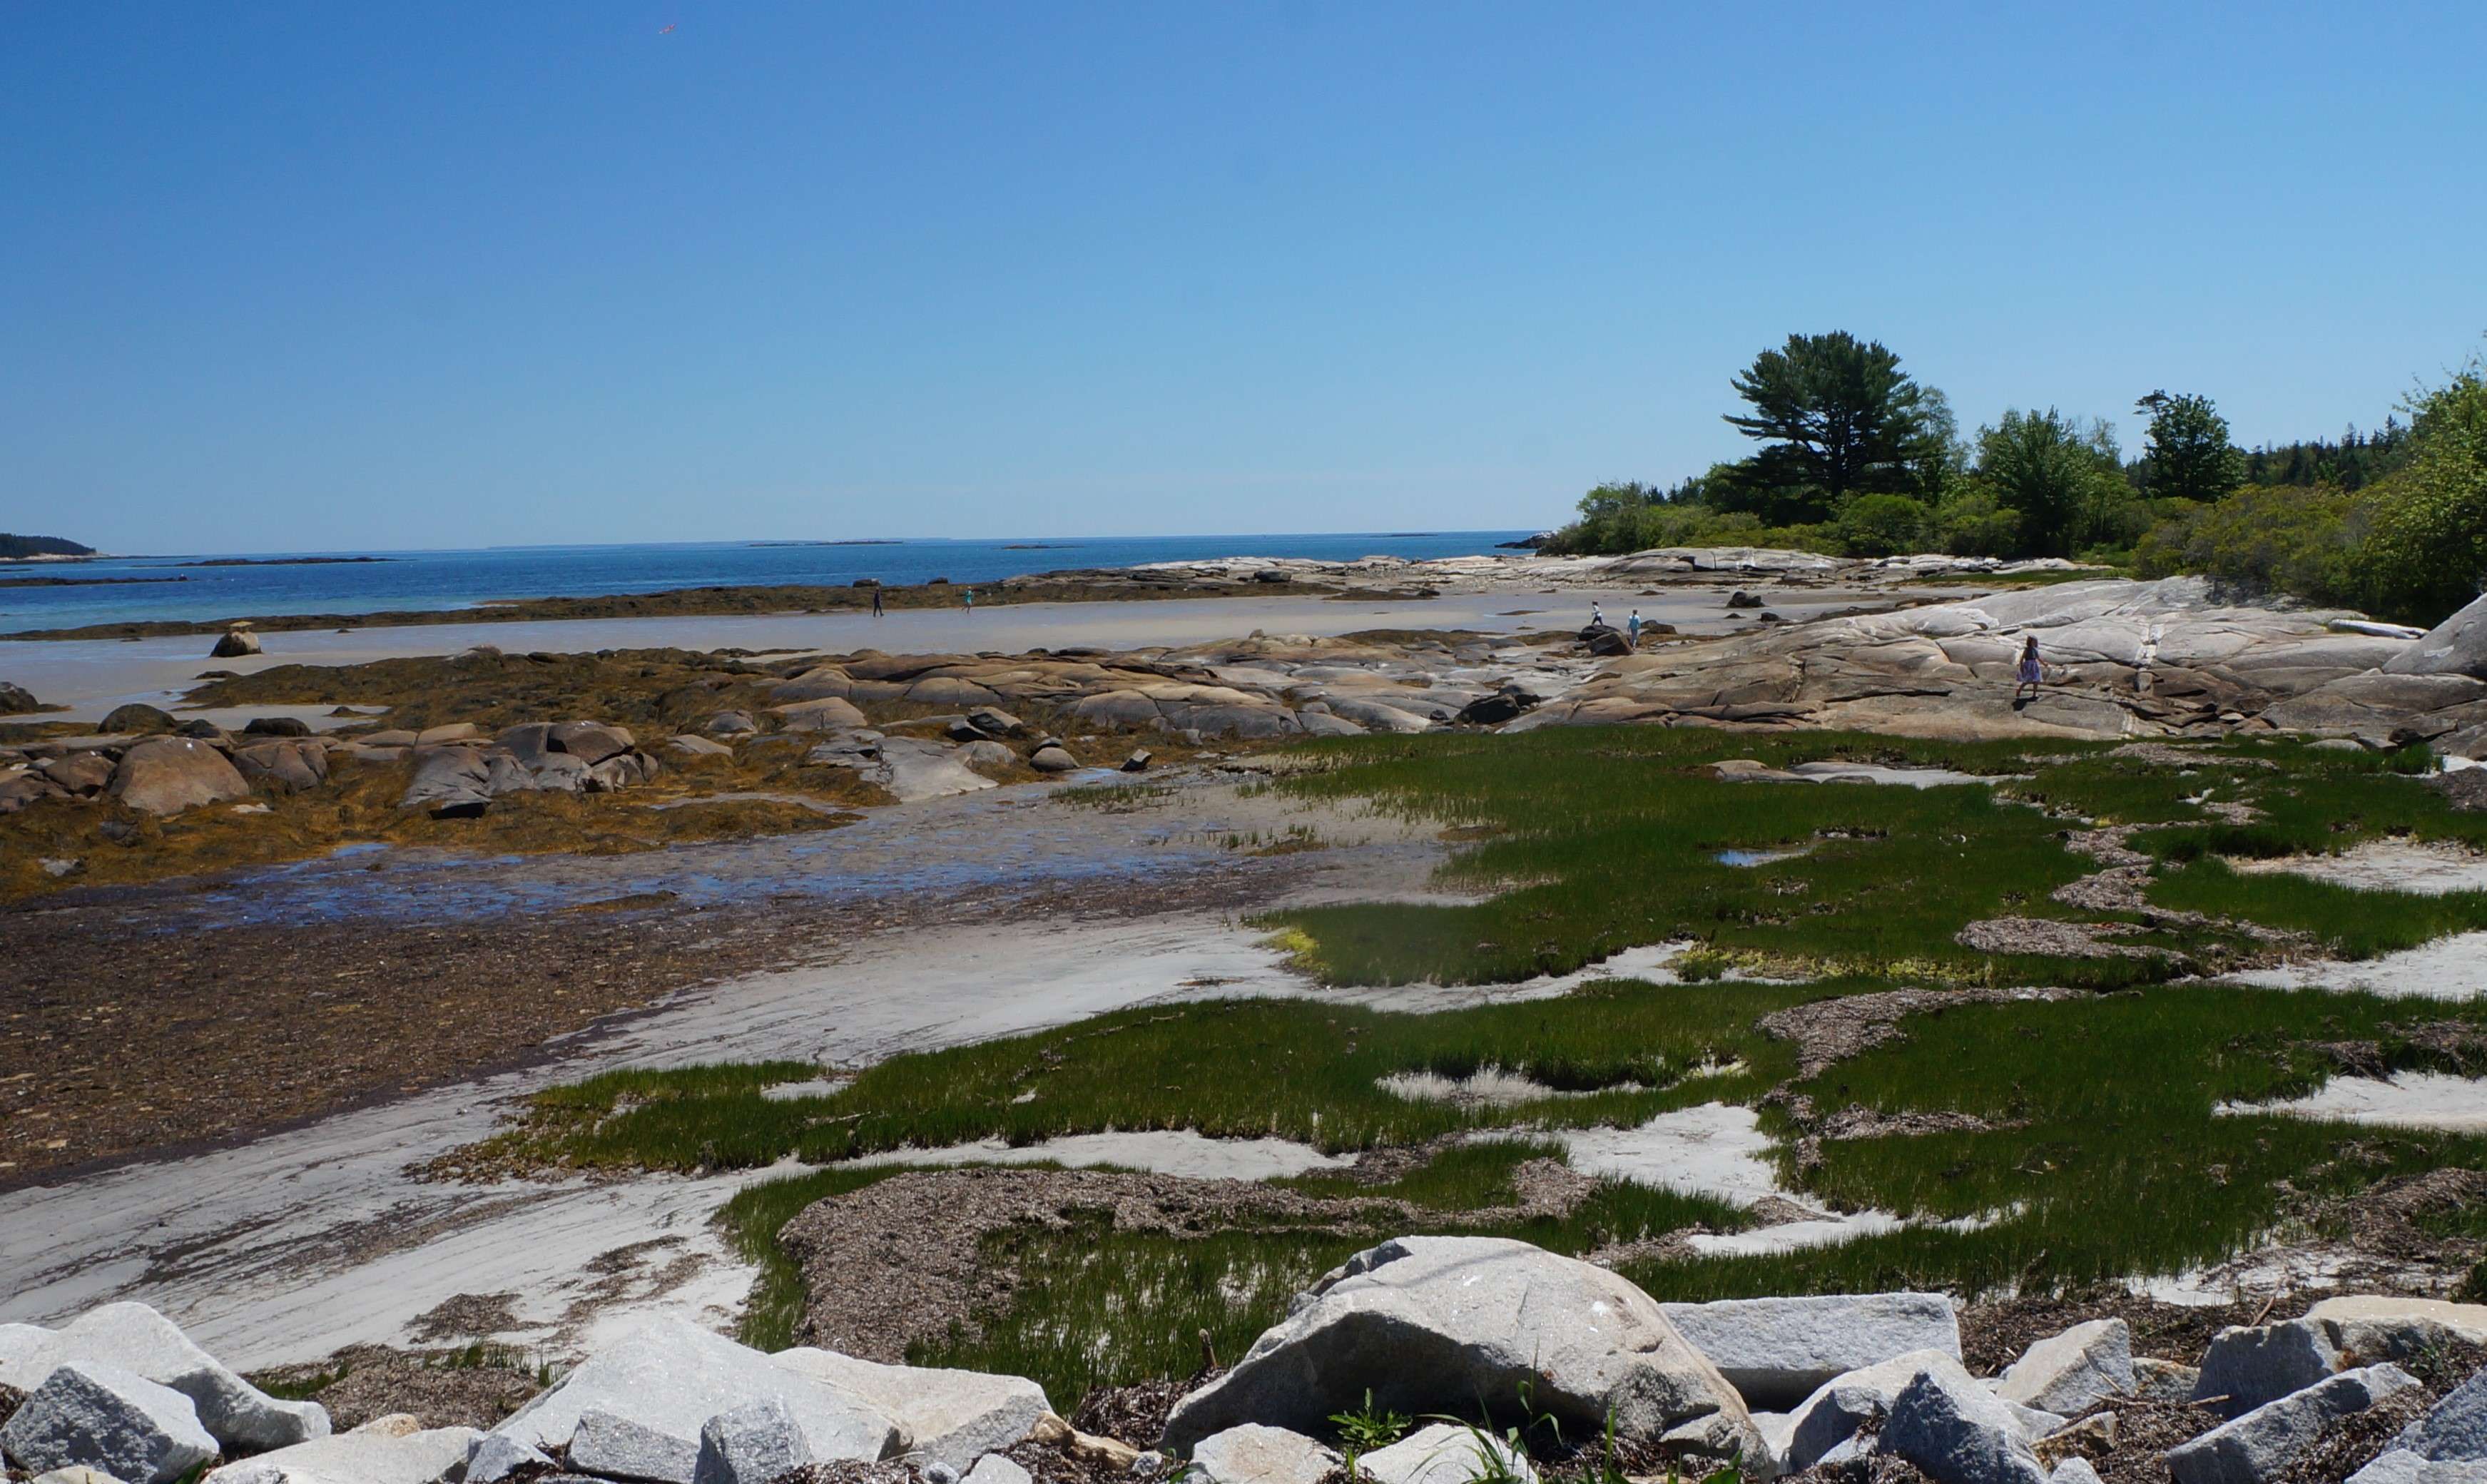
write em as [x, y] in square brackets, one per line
[622, 1449]
[107, 1418]
[2400, 1466]
[995, 1469]
[947, 1416]
[1844, 1404]
[1253, 1454]
[363, 1456]
[2454, 1430]
[752, 1443]
[2245, 1367]
[2252, 1448]
[1432, 1324]
[2368, 1328]
[238, 1415]
[1775, 1352]
[1444, 1453]
[1959, 1433]
[2072, 1371]
[672, 1376]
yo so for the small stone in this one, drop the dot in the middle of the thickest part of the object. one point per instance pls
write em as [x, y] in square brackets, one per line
[752, 1444]
[2094, 1431]
[623, 1449]
[996, 1468]
[2164, 1381]
[2246, 1368]
[494, 1458]
[1253, 1454]
[2072, 1371]
[1444, 1453]
[1958, 1434]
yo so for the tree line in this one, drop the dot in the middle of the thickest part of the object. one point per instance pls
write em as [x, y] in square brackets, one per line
[1858, 458]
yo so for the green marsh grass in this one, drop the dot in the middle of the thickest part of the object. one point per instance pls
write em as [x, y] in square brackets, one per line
[1603, 839]
[2103, 1157]
[2348, 921]
[2109, 1159]
[1234, 1068]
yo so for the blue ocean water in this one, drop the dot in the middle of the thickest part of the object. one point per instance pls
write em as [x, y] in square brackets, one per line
[458, 579]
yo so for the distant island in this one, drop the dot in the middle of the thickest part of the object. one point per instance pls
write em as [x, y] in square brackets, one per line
[859, 541]
[20, 548]
[285, 561]
[83, 582]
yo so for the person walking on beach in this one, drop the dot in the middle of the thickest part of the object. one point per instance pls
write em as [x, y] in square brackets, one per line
[1597, 615]
[971, 600]
[2032, 674]
[875, 599]
[1632, 628]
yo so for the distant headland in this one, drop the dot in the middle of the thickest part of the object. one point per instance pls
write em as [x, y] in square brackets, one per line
[23, 549]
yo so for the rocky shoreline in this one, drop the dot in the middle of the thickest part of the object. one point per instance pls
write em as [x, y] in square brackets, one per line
[1420, 1360]
[1243, 577]
[765, 744]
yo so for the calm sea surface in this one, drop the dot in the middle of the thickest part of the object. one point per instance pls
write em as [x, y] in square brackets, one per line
[458, 579]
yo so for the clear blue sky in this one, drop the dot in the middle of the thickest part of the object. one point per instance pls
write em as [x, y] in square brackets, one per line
[334, 275]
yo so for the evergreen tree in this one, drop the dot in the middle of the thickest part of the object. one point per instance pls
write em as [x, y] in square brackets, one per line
[1836, 417]
[2065, 481]
[2188, 456]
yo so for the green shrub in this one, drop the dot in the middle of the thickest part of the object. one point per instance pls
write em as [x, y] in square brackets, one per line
[1970, 522]
[2428, 551]
[1882, 525]
[2285, 539]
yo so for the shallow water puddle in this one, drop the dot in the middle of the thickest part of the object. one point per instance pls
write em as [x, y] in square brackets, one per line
[1750, 858]
[2410, 1100]
[1907, 777]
